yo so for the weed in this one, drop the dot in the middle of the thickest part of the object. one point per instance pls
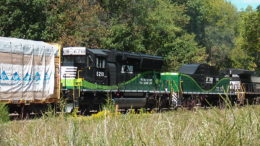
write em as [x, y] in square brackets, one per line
[4, 114]
[109, 105]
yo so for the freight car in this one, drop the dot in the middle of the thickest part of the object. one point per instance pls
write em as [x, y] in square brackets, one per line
[29, 74]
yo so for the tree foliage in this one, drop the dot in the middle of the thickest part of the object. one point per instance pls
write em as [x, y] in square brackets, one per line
[23, 19]
[182, 31]
[154, 27]
[215, 26]
[74, 23]
[247, 52]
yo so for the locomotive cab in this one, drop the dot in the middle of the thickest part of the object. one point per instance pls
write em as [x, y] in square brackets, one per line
[73, 61]
[87, 64]
[242, 79]
[96, 70]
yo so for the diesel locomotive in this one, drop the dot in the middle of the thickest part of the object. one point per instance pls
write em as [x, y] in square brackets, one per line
[89, 76]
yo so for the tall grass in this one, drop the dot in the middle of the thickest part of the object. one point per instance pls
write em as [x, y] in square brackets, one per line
[233, 126]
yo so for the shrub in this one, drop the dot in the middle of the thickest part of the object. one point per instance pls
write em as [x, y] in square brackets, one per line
[4, 114]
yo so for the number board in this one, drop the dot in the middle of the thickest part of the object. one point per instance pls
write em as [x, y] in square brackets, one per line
[74, 51]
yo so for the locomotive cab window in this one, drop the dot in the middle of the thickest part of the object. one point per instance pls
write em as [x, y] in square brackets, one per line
[89, 61]
[80, 59]
[68, 60]
[100, 62]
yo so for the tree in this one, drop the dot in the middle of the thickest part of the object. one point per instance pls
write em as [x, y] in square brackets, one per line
[154, 27]
[75, 23]
[247, 52]
[215, 25]
[69, 22]
[23, 19]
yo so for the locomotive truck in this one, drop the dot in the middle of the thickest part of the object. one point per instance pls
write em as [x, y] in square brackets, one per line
[35, 74]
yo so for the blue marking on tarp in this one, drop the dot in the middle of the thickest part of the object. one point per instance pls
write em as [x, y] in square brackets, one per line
[4, 76]
[37, 76]
[46, 77]
[16, 77]
[27, 77]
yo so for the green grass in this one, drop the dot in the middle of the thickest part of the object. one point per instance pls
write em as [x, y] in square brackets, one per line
[233, 126]
[4, 115]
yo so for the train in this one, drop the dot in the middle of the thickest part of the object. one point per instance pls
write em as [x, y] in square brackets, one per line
[36, 74]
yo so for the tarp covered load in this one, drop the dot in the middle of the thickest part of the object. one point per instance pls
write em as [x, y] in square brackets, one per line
[27, 69]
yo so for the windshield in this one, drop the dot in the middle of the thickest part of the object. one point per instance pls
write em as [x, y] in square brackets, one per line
[71, 60]
[68, 60]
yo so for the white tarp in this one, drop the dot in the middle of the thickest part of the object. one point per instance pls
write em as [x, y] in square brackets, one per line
[26, 47]
[27, 69]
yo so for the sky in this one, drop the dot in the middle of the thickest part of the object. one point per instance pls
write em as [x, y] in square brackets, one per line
[242, 4]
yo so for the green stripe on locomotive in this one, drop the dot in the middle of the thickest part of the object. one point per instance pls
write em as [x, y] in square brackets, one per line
[190, 85]
[178, 82]
[149, 81]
